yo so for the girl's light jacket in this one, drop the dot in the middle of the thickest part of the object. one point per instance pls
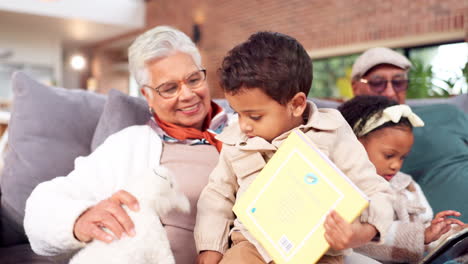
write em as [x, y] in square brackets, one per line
[405, 239]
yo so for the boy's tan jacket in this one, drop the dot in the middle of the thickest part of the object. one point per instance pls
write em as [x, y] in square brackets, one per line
[242, 158]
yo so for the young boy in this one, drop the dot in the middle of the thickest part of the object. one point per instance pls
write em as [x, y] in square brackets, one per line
[266, 81]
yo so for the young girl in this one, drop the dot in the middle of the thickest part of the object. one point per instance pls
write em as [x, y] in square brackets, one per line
[266, 81]
[385, 129]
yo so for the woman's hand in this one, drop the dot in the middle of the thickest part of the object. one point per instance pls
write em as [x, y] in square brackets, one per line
[342, 235]
[441, 225]
[109, 214]
[209, 257]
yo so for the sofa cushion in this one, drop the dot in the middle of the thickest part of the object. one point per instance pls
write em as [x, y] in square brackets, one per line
[23, 254]
[120, 111]
[324, 103]
[48, 129]
[438, 160]
[460, 101]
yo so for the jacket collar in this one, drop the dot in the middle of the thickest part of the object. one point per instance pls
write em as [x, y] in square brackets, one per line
[321, 119]
[318, 119]
[400, 181]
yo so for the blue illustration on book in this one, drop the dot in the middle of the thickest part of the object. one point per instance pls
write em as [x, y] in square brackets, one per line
[310, 178]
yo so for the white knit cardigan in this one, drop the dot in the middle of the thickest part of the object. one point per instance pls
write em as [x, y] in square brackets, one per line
[54, 206]
[405, 238]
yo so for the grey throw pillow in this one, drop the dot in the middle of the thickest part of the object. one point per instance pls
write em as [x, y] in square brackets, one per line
[120, 111]
[48, 129]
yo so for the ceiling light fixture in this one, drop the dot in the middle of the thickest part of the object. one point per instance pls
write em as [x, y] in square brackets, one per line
[78, 62]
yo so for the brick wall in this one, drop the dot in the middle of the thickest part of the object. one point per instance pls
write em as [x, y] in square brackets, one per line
[318, 25]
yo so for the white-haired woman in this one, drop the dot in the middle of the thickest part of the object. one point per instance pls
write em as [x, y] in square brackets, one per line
[180, 136]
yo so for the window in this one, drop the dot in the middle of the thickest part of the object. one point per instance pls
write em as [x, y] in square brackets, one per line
[41, 73]
[438, 71]
[332, 77]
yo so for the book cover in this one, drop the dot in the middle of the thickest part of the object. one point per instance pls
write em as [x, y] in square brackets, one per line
[285, 206]
[454, 249]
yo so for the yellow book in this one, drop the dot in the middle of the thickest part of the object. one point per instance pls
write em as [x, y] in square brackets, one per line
[286, 205]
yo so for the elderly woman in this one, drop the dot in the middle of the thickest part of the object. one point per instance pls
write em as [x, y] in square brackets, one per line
[180, 137]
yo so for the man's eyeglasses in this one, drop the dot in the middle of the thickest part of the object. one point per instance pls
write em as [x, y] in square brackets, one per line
[379, 85]
[171, 89]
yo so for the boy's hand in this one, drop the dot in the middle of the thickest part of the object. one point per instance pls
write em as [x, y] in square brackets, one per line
[209, 257]
[441, 225]
[342, 235]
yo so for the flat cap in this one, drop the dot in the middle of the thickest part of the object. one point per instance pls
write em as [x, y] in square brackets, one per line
[375, 56]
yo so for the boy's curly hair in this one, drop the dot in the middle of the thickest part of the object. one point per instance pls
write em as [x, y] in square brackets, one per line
[276, 63]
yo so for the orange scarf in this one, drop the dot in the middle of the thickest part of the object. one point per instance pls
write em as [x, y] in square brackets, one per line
[183, 133]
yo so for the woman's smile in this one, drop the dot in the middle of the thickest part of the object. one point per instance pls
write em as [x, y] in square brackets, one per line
[190, 110]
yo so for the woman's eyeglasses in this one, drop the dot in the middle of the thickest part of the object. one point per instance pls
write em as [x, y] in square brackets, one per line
[379, 85]
[171, 89]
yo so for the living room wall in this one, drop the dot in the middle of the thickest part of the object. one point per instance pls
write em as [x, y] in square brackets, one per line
[325, 28]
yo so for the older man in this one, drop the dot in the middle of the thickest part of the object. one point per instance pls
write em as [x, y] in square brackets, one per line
[439, 158]
[381, 71]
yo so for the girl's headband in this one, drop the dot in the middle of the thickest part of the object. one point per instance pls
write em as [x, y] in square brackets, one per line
[392, 113]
